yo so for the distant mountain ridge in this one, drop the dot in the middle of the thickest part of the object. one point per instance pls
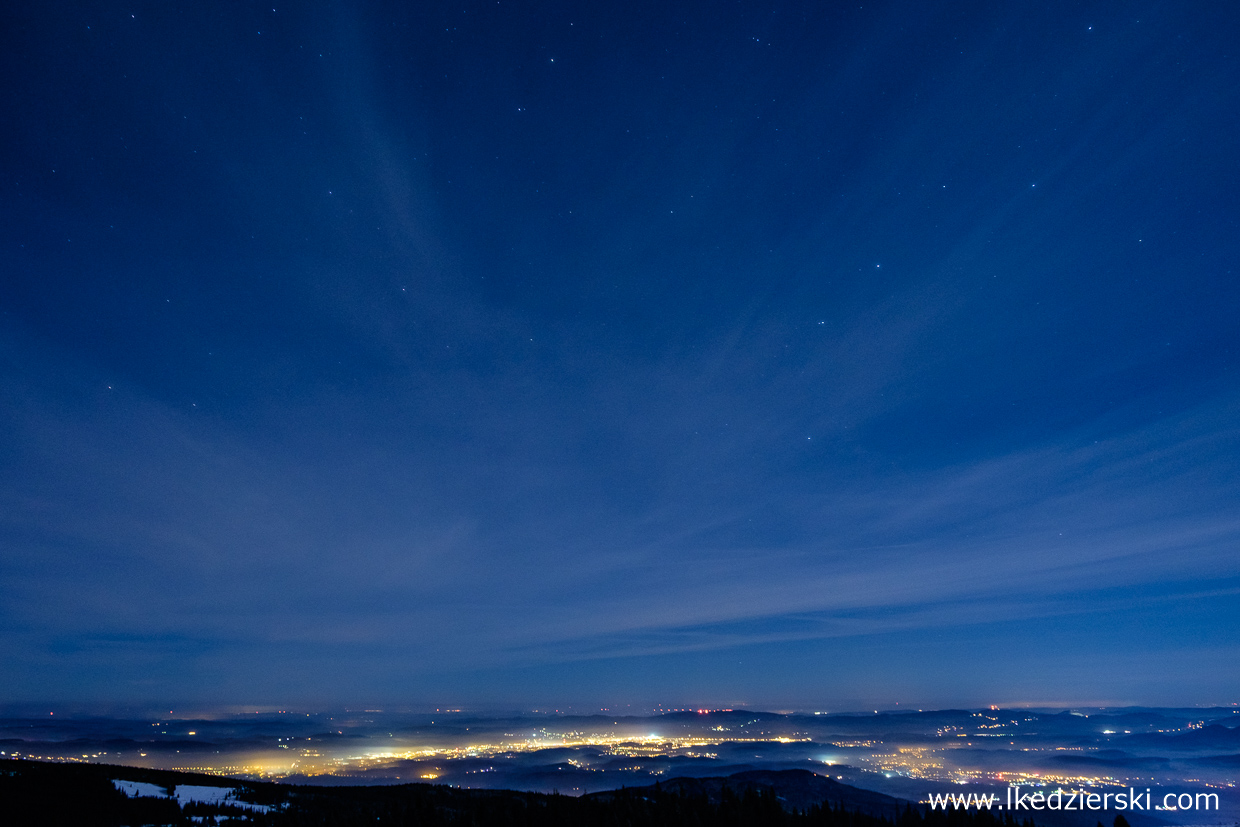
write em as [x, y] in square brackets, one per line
[1212, 736]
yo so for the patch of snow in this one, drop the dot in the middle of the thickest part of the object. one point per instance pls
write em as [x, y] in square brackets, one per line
[133, 789]
[189, 793]
[203, 795]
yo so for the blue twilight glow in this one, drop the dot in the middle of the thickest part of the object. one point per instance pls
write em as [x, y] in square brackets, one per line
[783, 356]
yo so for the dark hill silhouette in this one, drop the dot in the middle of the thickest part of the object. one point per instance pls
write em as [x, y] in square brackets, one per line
[47, 794]
[1112, 759]
[794, 789]
[1212, 737]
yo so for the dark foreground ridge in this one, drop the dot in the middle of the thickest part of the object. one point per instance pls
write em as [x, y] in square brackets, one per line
[795, 790]
[85, 795]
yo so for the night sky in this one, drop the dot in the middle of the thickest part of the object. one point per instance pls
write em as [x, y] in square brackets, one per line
[529, 352]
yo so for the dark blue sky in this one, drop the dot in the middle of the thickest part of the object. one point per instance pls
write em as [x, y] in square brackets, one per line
[779, 354]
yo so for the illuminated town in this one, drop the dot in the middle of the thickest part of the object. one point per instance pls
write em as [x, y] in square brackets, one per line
[908, 755]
